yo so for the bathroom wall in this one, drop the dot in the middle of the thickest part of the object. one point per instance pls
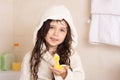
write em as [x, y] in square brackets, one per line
[6, 25]
[100, 62]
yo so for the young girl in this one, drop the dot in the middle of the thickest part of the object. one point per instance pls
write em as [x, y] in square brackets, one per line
[55, 35]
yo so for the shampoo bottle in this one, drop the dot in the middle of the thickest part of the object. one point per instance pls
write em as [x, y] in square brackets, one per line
[6, 61]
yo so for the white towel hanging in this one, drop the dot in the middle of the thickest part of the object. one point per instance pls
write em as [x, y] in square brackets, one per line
[105, 22]
[105, 7]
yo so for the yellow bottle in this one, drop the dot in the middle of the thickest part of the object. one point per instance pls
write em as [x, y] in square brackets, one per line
[57, 64]
[16, 66]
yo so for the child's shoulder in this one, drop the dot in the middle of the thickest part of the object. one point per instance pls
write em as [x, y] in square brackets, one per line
[74, 54]
[27, 56]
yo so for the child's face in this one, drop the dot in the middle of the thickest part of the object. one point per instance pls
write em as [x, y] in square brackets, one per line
[56, 33]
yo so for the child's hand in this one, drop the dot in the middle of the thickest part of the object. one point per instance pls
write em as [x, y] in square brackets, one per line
[62, 72]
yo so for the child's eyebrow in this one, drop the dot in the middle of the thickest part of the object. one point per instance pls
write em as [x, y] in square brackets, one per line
[52, 25]
[64, 28]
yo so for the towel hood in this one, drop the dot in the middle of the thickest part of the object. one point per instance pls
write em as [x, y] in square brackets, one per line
[58, 13]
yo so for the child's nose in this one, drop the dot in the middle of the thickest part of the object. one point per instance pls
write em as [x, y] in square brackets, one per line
[56, 32]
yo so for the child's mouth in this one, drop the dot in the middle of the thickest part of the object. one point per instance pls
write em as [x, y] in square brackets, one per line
[54, 39]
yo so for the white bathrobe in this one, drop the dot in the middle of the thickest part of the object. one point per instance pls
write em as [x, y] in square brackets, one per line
[44, 73]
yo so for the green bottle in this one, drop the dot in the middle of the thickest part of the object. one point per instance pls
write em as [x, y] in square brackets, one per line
[6, 61]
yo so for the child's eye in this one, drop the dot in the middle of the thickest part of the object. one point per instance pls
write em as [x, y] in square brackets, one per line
[62, 30]
[51, 27]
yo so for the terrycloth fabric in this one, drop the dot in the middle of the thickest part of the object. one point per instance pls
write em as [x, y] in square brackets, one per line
[59, 13]
[105, 22]
[44, 72]
[105, 7]
[105, 29]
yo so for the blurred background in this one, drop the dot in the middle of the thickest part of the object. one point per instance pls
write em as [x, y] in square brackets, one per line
[19, 18]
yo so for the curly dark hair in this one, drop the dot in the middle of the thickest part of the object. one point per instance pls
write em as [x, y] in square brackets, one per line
[63, 50]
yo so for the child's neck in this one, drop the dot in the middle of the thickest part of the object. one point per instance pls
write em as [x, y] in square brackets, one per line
[52, 51]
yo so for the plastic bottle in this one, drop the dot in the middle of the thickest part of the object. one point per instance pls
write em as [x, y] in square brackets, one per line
[16, 65]
[6, 61]
[16, 49]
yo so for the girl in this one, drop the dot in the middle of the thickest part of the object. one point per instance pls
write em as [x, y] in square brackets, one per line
[55, 34]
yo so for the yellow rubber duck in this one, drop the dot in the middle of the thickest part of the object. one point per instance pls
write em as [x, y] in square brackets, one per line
[57, 64]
